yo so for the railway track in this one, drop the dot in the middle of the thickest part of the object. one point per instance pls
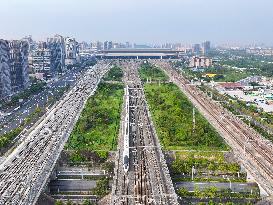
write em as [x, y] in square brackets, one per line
[254, 152]
[147, 180]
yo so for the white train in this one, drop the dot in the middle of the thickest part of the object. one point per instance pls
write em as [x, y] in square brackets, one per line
[126, 155]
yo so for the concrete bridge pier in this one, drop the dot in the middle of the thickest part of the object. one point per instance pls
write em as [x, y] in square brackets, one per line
[250, 178]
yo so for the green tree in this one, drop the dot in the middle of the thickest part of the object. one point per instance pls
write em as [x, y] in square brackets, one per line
[69, 202]
[87, 202]
[183, 192]
[101, 187]
[58, 202]
[211, 202]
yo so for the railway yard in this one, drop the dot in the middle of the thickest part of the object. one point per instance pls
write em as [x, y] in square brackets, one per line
[252, 150]
[25, 172]
[141, 173]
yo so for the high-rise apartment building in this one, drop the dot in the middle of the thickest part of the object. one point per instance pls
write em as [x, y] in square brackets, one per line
[5, 82]
[71, 51]
[18, 57]
[196, 49]
[200, 62]
[41, 61]
[56, 45]
[205, 47]
[31, 43]
[105, 45]
[110, 45]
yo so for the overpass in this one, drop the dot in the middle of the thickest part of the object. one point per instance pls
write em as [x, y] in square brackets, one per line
[148, 53]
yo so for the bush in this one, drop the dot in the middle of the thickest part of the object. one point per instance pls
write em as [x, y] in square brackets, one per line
[150, 71]
[115, 74]
[102, 187]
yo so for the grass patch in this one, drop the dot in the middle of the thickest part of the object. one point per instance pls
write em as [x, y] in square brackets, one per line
[172, 115]
[214, 163]
[115, 74]
[148, 71]
[98, 126]
[214, 192]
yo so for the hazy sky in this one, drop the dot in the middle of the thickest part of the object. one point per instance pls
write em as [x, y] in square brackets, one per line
[141, 21]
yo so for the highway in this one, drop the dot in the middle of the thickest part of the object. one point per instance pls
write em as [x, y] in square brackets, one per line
[146, 179]
[253, 151]
[18, 116]
[26, 171]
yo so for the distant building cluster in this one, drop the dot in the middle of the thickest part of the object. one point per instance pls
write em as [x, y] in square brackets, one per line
[254, 90]
[44, 59]
[48, 58]
[201, 49]
[200, 62]
[260, 51]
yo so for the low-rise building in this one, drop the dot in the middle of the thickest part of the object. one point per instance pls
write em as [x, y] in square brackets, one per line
[229, 86]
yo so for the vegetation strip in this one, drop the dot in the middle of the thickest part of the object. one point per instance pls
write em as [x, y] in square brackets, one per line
[98, 127]
[173, 116]
[147, 72]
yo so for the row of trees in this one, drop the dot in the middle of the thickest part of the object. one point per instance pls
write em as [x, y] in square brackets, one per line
[6, 139]
[201, 164]
[214, 192]
[85, 202]
[36, 87]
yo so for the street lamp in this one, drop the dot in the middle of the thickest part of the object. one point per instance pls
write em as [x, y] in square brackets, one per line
[192, 172]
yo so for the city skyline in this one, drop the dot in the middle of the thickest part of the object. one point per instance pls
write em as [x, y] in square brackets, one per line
[244, 22]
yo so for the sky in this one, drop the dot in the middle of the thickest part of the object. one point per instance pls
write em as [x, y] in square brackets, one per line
[140, 21]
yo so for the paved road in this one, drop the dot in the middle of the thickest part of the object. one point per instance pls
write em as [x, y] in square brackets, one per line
[235, 186]
[71, 185]
[18, 116]
[25, 171]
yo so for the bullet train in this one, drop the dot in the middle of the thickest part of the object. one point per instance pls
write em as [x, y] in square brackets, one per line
[126, 136]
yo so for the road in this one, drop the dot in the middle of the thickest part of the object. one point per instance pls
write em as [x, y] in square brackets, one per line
[18, 116]
[26, 171]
